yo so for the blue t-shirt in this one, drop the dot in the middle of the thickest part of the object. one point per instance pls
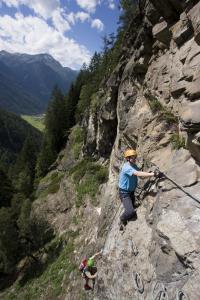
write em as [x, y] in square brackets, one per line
[128, 181]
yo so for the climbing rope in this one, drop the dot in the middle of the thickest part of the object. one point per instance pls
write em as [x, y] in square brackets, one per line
[182, 296]
[139, 286]
[176, 184]
[162, 175]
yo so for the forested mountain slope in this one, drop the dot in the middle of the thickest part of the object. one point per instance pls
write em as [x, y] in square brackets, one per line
[26, 81]
[13, 133]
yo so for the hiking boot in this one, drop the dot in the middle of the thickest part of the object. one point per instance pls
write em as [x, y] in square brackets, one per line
[122, 225]
[134, 217]
[87, 287]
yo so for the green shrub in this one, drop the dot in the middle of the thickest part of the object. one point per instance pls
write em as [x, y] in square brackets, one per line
[85, 97]
[77, 136]
[169, 117]
[177, 141]
[165, 114]
[94, 105]
[78, 171]
[87, 176]
[75, 220]
[154, 104]
[52, 184]
[46, 279]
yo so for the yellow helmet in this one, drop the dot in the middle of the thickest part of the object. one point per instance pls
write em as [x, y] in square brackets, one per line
[130, 152]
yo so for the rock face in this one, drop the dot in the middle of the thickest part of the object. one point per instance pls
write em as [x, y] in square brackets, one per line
[158, 254]
[151, 102]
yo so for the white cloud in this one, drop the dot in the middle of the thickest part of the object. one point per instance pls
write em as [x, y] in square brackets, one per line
[111, 4]
[59, 21]
[82, 16]
[88, 5]
[42, 8]
[96, 23]
[71, 18]
[33, 35]
[79, 16]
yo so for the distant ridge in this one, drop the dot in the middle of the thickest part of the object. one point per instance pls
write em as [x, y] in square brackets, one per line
[26, 81]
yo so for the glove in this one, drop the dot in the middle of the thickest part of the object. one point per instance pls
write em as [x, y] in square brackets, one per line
[158, 173]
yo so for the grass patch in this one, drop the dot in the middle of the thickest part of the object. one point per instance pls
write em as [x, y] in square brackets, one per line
[94, 105]
[165, 114]
[46, 280]
[77, 135]
[75, 220]
[168, 116]
[51, 184]
[154, 104]
[35, 121]
[177, 141]
[87, 176]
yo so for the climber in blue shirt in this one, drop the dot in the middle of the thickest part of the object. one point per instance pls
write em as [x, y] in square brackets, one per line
[128, 179]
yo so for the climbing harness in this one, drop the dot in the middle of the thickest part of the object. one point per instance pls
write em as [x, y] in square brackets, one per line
[159, 292]
[182, 296]
[148, 186]
[139, 286]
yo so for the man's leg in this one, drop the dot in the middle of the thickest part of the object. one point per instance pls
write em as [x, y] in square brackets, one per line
[129, 210]
[86, 284]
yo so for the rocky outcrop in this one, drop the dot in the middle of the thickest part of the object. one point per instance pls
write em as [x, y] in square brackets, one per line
[194, 17]
[158, 254]
[151, 102]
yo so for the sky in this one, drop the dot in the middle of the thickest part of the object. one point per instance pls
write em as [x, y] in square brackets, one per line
[69, 30]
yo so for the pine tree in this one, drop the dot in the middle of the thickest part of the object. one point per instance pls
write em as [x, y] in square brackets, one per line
[129, 9]
[55, 120]
[24, 169]
[45, 158]
[33, 232]
[9, 241]
[6, 190]
[56, 125]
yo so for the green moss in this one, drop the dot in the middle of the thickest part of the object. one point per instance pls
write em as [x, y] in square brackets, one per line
[177, 141]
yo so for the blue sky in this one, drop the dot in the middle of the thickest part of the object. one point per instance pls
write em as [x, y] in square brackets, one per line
[69, 30]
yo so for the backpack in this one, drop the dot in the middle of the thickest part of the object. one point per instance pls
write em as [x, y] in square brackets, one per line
[83, 264]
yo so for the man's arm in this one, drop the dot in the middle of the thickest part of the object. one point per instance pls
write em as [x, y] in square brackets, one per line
[143, 174]
[96, 254]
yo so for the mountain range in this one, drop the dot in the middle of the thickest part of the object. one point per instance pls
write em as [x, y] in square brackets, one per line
[26, 81]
